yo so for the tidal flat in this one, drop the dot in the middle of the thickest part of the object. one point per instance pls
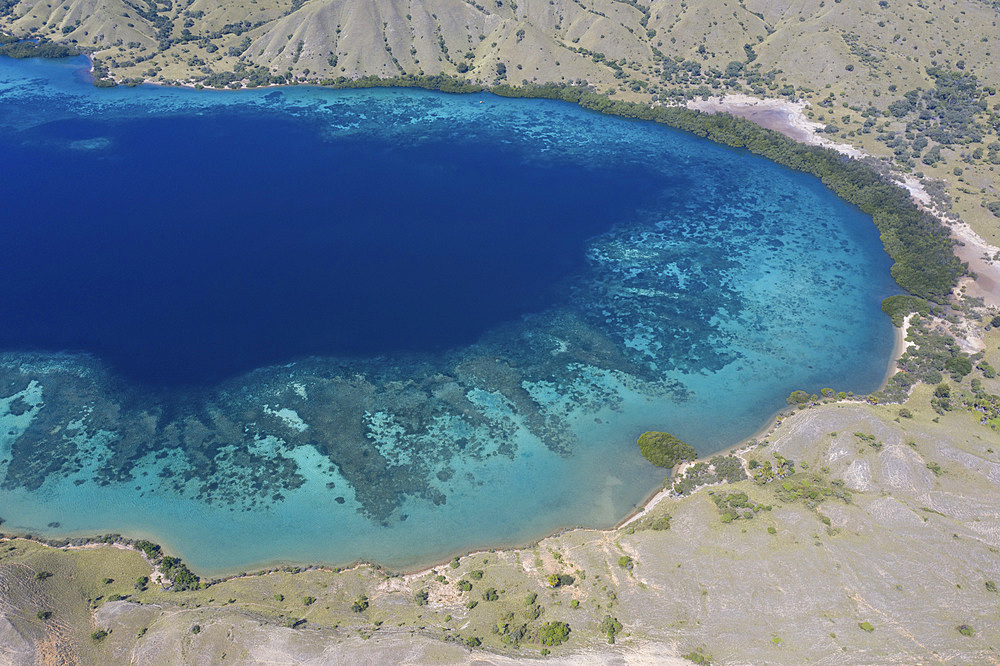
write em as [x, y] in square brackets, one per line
[391, 324]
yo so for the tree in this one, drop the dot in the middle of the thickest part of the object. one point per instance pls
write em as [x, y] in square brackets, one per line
[664, 450]
[797, 398]
[610, 626]
[958, 366]
[554, 633]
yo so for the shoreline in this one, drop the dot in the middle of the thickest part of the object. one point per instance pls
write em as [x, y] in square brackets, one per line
[769, 113]
[788, 118]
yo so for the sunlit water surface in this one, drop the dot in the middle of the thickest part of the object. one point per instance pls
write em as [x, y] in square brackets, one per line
[304, 325]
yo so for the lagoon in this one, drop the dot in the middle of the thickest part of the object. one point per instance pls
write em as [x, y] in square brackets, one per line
[303, 325]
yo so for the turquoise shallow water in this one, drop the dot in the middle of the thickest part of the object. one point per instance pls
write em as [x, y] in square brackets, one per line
[698, 297]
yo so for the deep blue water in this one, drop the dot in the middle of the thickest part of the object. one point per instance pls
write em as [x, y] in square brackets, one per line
[211, 245]
[390, 324]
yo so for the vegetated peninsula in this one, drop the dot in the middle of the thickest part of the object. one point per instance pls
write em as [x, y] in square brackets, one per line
[862, 529]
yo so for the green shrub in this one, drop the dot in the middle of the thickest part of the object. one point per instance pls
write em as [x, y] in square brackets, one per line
[797, 398]
[490, 594]
[699, 657]
[897, 307]
[966, 630]
[866, 626]
[658, 524]
[554, 633]
[626, 562]
[664, 450]
[958, 366]
[609, 627]
[308, 601]
[464, 585]
[149, 549]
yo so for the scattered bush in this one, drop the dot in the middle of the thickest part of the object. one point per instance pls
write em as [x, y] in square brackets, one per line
[699, 657]
[866, 626]
[559, 580]
[658, 524]
[626, 562]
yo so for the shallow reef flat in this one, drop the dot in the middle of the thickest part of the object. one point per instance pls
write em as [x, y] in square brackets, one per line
[717, 284]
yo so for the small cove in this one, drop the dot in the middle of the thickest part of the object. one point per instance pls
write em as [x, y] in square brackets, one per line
[391, 324]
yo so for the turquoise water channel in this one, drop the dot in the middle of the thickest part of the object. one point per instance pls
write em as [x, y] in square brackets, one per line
[301, 325]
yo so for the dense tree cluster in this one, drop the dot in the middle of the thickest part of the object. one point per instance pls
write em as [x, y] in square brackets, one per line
[14, 47]
[664, 450]
[954, 113]
[897, 307]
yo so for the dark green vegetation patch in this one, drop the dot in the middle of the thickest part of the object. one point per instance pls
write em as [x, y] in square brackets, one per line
[14, 47]
[664, 450]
